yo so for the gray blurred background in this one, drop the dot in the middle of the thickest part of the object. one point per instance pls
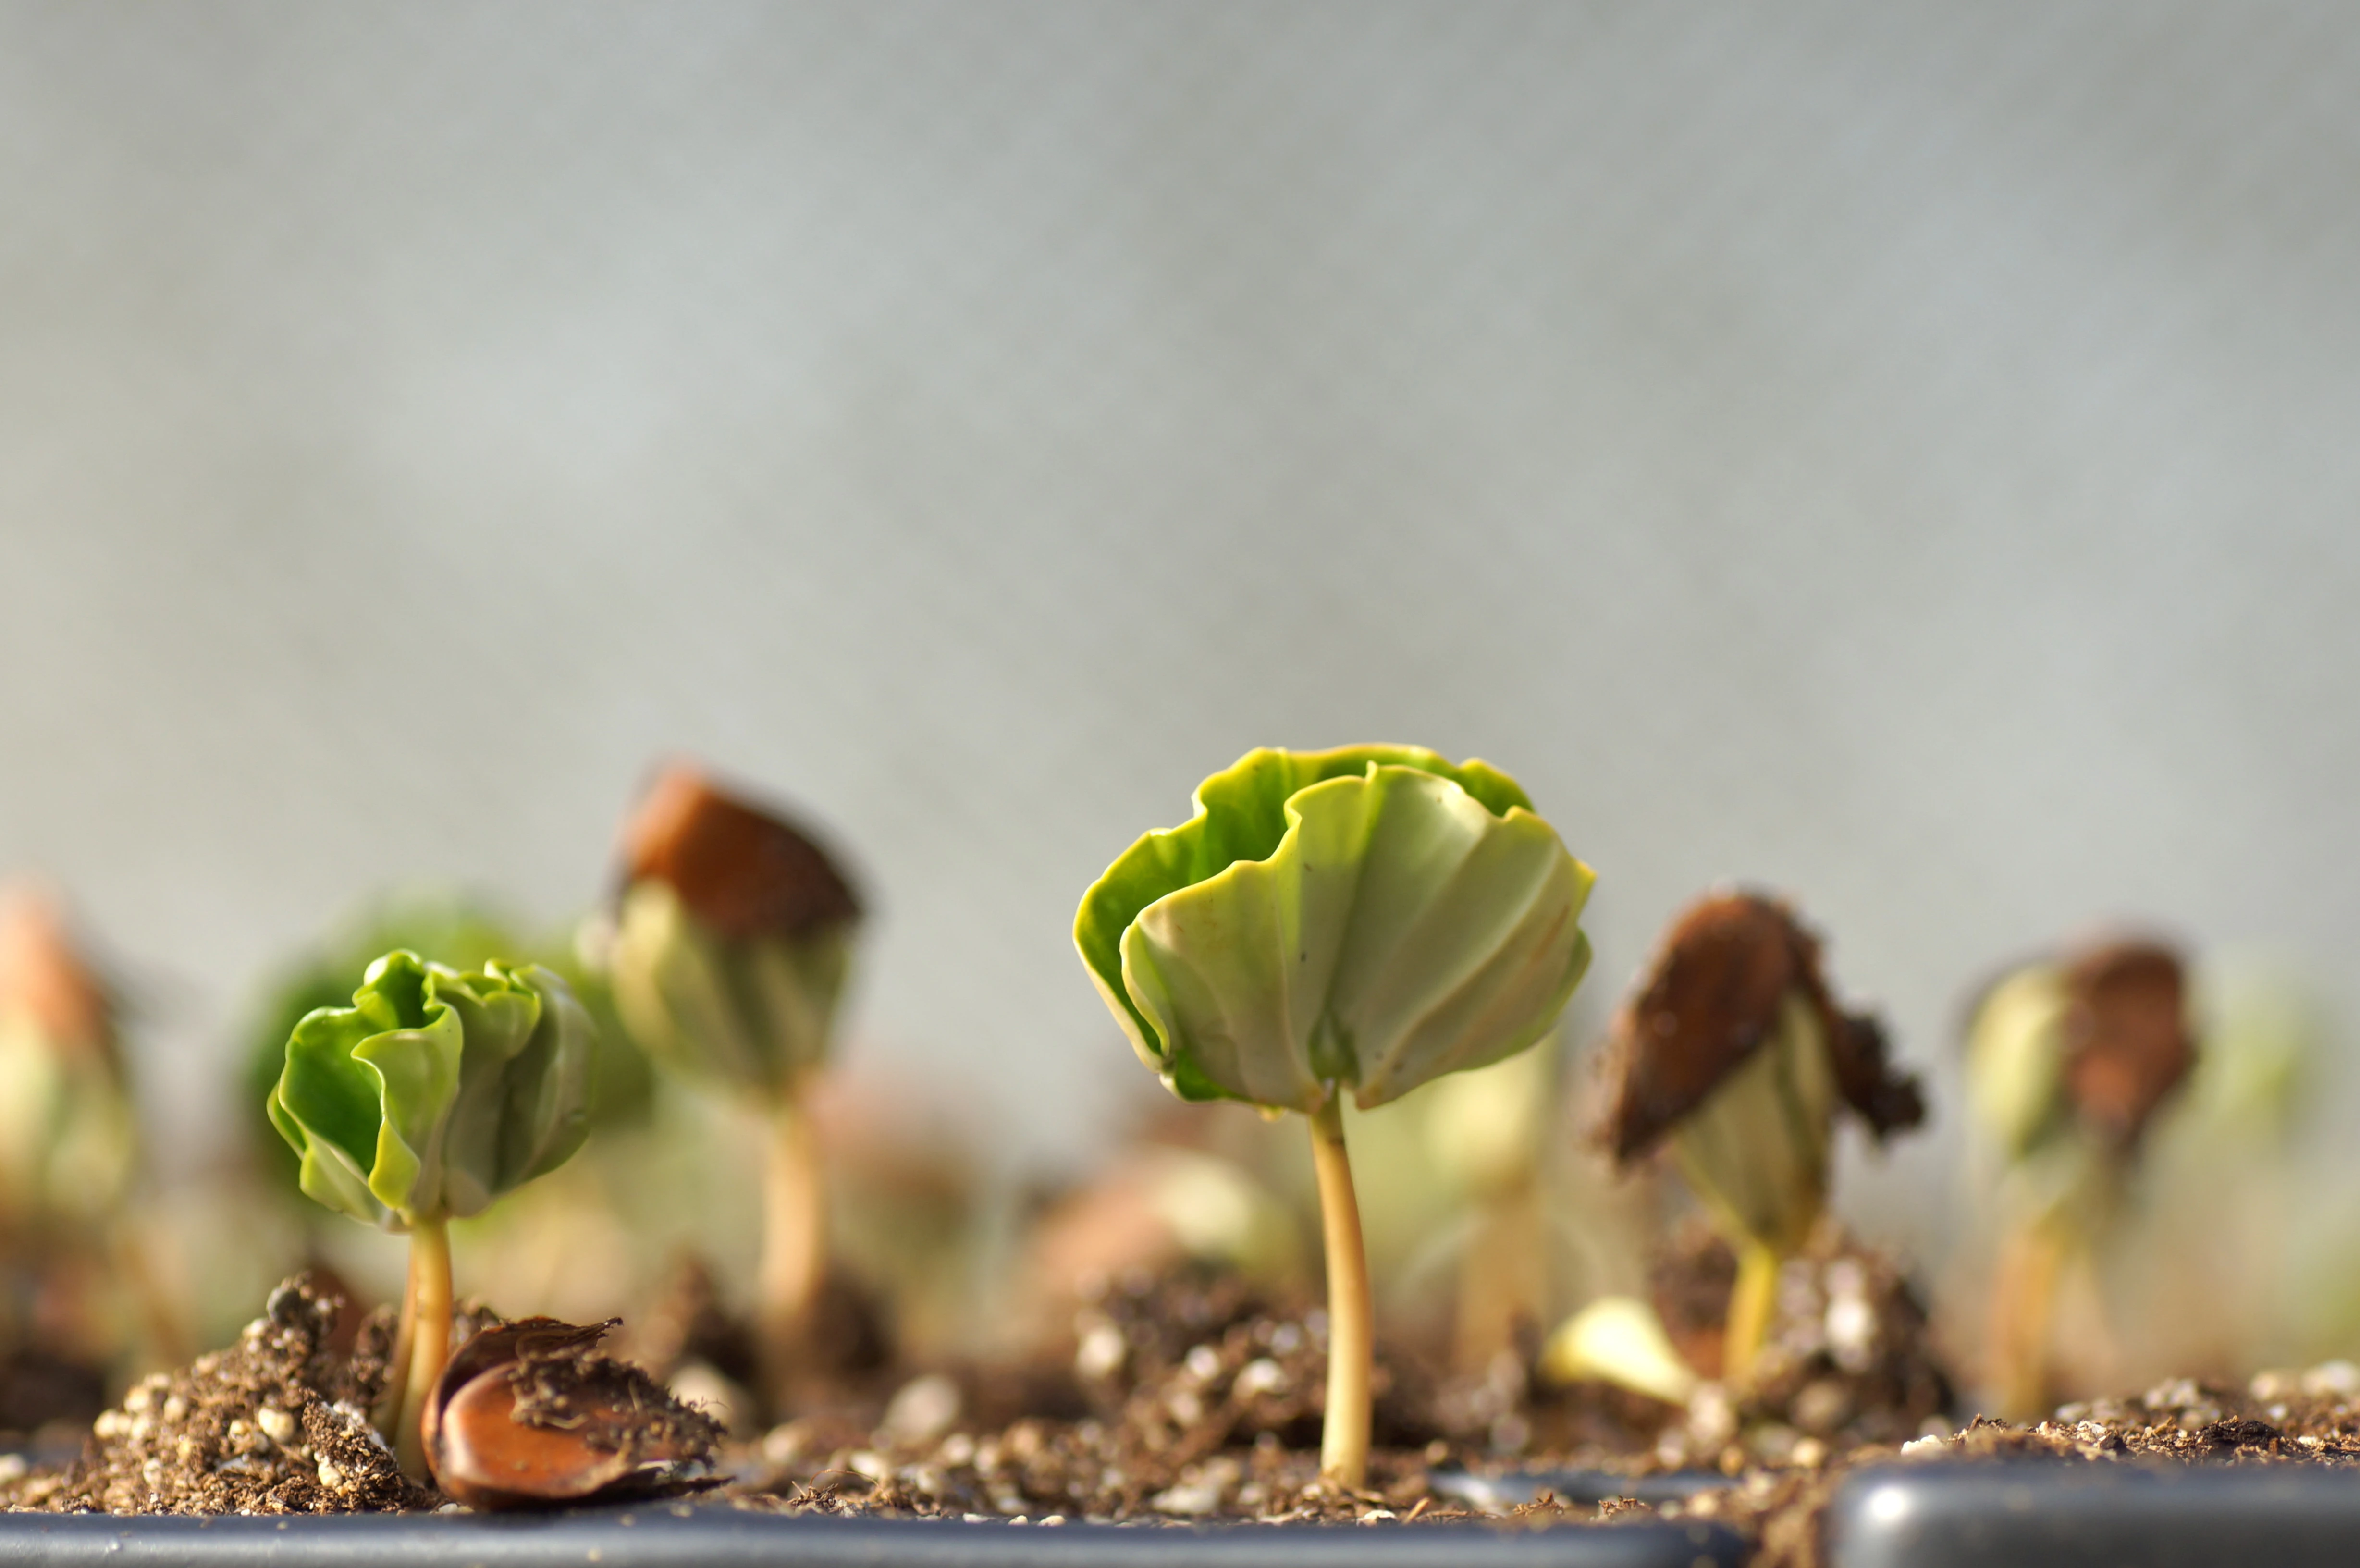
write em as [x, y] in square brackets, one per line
[1901, 455]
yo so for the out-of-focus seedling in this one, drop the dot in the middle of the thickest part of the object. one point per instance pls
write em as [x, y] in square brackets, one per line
[68, 1140]
[1483, 1134]
[1734, 1052]
[68, 1134]
[433, 1094]
[2067, 1062]
[730, 952]
[1358, 921]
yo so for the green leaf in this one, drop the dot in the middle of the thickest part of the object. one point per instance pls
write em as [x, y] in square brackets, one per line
[435, 1091]
[1756, 1150]
[756, 1012]
[2015, 1061]
[464, 934]
[1373, 916]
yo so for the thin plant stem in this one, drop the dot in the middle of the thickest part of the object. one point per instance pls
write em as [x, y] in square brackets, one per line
[1351, 1324]
[430, 1349]
[386, 1415]
[1750, 1306]
[1500, 1276]
[2025, 1287]
[795, 1237]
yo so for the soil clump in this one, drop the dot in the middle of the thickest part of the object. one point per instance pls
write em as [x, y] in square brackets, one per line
[276, 1423]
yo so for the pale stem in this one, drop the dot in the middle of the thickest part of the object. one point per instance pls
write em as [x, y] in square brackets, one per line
[1750, 1306]
[429, 1337]
[794, 1236]
[386, 1415]
[1500, 1276]
[1351, 1325]
[2025, 1288]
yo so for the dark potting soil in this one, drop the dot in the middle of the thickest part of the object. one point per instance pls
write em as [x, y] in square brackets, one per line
[1848, 1358]
[276, 1423]
[1198, 1401]
[1205, 1402]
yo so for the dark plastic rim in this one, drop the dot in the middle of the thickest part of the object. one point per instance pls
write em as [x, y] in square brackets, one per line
[662, 1537]
[2050, 1515]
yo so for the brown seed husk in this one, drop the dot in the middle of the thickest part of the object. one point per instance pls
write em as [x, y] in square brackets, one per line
[1711, 999]
[741, 870]
[528, 1414]
[2127, 1044]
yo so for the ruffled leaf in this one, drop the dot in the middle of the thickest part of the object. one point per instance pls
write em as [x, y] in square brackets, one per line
[435, 1091]
[1372, 916]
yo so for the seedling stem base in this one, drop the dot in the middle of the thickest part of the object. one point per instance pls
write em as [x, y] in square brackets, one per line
[426, 1311]
[1351, 1327]
[794, 1235]
[1750, 1307]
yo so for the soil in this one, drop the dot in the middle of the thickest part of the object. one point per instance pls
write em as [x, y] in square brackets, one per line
[2280, 1418]
[1196, 1400]
[276, 1423]
[41, 1391]
[1206, 1401]
[1204, 1404]
[1848, 1358]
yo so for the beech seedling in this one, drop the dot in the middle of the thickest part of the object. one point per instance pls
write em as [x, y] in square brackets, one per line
[69, 1136]
[68, 1140]
[1359, 920]
[2067, 1062]
[731, 942]
[433, 1094]
[1734, 1052]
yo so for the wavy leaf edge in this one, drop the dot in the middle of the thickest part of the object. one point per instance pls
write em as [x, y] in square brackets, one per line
[1183, 856]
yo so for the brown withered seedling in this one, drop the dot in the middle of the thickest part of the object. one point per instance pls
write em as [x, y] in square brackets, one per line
[2067, 1062]
[1736, 1052]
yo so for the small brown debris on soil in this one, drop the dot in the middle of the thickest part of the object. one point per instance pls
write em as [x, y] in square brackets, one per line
[276, 1423]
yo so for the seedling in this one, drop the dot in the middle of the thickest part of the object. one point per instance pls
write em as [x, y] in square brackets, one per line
[433, 1094]
[1483, 1135]
[461, 932]
[1735, 1053]
[2068, 1063]
[69, 1138]
[1362, 919]
[68, 1141]
[730, 947]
